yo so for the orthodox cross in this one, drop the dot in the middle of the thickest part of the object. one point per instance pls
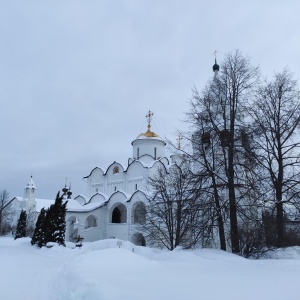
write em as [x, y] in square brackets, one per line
[149, 117]
[179, 139]
[215, 53]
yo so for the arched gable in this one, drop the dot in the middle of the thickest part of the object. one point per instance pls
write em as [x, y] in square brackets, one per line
[137, 196]
[114, 165]
[165, 161]
[158, 164]
[98, 197]
[118, 196]
[80, 199]
[95, 171]
[136, 167]
[146, 158]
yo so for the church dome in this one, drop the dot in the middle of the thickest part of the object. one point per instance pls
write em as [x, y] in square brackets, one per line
[148, 143]
[148, 134]
[216, 67]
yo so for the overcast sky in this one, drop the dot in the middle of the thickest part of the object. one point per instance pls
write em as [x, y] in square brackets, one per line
[78, 77]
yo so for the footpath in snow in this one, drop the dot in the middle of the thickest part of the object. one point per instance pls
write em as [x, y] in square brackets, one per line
[102, 270]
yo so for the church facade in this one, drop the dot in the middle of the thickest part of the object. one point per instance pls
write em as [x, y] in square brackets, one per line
[115, 201]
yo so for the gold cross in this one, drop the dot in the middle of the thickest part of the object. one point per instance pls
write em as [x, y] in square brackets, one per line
[149, 117]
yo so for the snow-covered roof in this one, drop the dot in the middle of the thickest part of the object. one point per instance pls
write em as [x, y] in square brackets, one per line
[75, 206]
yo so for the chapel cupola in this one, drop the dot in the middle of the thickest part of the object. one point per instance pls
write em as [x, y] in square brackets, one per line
[148, 143]
[177, 156]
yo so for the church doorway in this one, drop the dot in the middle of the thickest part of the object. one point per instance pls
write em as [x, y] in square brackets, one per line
[138, 239]
[119, 214]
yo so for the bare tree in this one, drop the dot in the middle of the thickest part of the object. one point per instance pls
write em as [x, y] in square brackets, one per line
[173, 210]
[276, 114]
[6, 212]
[218, 115]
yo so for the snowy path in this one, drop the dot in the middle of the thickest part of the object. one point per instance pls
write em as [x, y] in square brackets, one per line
[100, 270]
[26, 272]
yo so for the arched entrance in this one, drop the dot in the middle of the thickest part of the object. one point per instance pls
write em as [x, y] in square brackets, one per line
[138, 239]
[119, 214]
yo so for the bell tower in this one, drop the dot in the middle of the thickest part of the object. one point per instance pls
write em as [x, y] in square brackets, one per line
[29, 195]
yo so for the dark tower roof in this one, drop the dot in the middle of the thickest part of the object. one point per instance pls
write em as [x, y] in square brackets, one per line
[216, 67]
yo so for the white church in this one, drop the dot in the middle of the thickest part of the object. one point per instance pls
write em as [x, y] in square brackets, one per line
[115, 199]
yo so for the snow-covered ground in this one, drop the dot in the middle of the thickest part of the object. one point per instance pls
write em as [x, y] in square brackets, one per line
[102, 270]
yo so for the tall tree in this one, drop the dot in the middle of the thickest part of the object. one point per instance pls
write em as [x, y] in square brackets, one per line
[21, 226]
[51, 224]
[219, 112]
[276, 114]
[38, 231]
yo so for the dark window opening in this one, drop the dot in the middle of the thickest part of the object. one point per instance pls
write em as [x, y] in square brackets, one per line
[116, 216]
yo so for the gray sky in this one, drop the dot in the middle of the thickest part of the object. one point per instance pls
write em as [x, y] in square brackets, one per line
[78, 77]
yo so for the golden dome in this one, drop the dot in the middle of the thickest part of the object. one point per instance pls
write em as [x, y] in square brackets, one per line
[149, 134]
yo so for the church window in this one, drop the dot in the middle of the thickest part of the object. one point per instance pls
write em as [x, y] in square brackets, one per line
[136, 186]
[155, 153]
[138, 153]
[90, 222]
[115, 188]
[116, 170]
[139, 213]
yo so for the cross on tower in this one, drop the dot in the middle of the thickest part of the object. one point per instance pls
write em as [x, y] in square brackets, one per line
[149, 118]
[215, 53]
[179, 139]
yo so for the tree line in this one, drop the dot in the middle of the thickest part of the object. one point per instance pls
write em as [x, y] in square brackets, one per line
[50, 225]
[237, 186]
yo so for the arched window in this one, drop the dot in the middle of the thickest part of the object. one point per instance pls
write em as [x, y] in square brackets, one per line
[90, 222]
[139, 213]
[138, 153]
[116, 170]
